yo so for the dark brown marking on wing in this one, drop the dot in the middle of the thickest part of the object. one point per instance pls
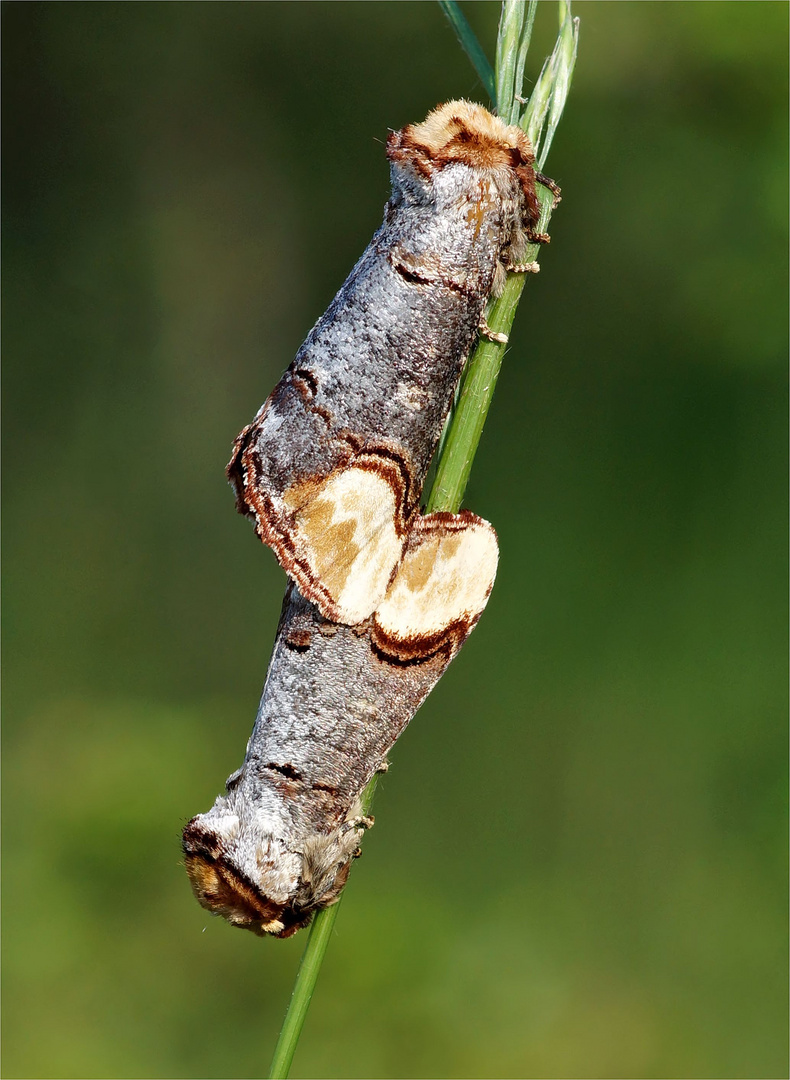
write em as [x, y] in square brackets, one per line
[285, 770]
[323, 412]
[414, 277]
[307, 378]
[354, 441]
[298, 640]
[328, 788]
[406, 652]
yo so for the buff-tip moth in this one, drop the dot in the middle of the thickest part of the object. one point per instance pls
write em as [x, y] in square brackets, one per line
[278, 845]
[331, 470]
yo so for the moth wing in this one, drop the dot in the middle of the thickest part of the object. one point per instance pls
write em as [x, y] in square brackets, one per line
[345, 535]
[440, 589]
[334, 513]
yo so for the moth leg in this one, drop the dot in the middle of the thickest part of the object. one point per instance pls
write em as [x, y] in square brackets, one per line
[490, 335]
[523, 268]
[553, 187]
[537, 237]
[383, 767]
[357, 823]
[351, 826]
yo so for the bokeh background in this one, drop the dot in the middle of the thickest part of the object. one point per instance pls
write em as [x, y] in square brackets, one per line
[578, 867]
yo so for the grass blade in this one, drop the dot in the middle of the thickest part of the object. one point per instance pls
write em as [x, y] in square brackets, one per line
[306, 978]
[470, 45]
[511, 25]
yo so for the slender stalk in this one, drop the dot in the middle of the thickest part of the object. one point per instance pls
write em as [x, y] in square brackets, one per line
[307, 975]
[470, 45]
[306, 978]
[464, 428]
[511, 30]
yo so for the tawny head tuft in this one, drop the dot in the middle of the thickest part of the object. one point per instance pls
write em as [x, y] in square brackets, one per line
[464, 131]
[461, 133]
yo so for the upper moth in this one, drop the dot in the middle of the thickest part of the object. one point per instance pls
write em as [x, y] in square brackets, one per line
[332, 467]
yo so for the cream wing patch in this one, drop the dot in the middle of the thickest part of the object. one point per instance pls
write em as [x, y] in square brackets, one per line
[442, 584]
[345, 530]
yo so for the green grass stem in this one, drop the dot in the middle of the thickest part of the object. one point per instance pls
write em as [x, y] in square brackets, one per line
[307, 976]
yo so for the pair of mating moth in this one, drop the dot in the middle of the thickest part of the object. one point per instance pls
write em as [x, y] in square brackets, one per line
[331, 470]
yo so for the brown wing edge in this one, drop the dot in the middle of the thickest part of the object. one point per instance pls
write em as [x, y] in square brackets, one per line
[274, 524]
[222, 889]
[447, 641]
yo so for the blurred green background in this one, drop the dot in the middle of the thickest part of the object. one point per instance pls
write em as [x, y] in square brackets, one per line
[578, 867]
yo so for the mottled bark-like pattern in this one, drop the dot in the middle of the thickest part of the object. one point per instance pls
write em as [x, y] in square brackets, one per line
[375, 378]
[332, 470]
[278, 846]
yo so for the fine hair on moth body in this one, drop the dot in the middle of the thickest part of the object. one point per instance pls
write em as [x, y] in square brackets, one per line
[331, 470]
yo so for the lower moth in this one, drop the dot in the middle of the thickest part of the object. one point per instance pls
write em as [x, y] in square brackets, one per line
[278, 845]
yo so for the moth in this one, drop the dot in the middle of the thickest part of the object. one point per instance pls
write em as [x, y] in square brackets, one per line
[332, 467]
[279, 844]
